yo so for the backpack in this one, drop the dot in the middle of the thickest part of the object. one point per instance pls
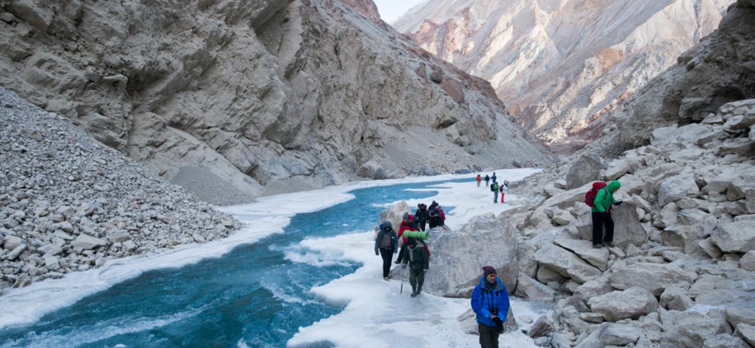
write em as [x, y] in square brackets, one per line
[590, 195]
[441, 213]
[494, 187]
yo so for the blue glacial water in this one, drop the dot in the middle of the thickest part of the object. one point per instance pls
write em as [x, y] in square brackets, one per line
[250, 297]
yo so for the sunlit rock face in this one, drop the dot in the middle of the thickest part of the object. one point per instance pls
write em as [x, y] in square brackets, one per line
[560, 65]
[266, 96]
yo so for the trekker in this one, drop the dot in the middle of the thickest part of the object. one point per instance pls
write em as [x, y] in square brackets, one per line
[490, 301]
[487, 180]
[601, 215]
[494, 188]
[479, 180]
[503, 193]
[418, 263]
[421, 215]
[493, 177]
[386, 244]
[407, 224]
[437, 216]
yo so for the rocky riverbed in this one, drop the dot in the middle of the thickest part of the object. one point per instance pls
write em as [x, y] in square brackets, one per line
[69, 203]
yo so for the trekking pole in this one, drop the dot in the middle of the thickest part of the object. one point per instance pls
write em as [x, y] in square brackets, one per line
[403, 273]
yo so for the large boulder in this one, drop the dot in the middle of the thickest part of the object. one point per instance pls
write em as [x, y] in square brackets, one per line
[631, 303]
[458, 256]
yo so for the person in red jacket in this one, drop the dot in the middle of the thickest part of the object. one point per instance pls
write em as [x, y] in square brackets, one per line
[407, 224]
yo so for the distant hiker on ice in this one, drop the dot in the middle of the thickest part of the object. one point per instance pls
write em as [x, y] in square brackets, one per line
[479, 180]
[487, 180]
[418, 263]
[502, 189]
[490, 301]
[494, 178]
[494, 188]
[385, 243]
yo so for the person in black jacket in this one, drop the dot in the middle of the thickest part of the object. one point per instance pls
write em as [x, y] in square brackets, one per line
[418, 261]
[386, 242]
[421, 215]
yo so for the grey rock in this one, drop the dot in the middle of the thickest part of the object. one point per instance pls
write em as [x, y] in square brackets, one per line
[631, 303]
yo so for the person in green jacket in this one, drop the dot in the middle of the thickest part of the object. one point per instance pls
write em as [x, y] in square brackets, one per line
[601, 215]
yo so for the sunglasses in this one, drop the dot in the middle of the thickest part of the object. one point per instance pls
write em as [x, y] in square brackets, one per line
[492, 275]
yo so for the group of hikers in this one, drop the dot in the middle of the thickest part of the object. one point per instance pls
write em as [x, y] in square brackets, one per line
[412, 248]
[490, 299]
[494, 187]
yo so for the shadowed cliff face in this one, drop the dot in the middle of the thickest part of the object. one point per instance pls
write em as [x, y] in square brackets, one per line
[719, 70]
[562, 65]
[268, 96]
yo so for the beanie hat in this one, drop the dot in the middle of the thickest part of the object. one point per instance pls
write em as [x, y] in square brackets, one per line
[489, 270]
[406, 216]
[386, 225]
[411, 241]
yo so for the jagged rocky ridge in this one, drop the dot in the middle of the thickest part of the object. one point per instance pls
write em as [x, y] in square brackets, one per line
[69, 203]
[266, 96]
[561, 65]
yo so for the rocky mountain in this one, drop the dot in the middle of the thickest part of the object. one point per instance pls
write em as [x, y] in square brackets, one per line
[559, 65]
[264, 96]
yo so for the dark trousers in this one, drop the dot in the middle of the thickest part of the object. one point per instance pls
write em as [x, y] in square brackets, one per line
[598, 219]
[416, 277]
[488, 336]
[387, 254]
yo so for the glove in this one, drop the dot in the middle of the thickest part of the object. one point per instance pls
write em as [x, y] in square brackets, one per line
[377, 253]
[618, 203]
[498, 324]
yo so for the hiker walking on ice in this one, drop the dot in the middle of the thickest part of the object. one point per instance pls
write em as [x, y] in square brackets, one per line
[601, 215]
[490, 302]
[487, 180]
[417, 260]
[494, 188]
[385, 243]
[479, 179]
[494, 178]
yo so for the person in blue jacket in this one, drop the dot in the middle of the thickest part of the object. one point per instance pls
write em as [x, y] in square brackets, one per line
[490, 301]
[385, 242]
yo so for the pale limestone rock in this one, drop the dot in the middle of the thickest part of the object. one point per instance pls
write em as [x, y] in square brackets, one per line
[725, 341]
[13, 254]
[651, 276]
[566, 263]
[616, 169]
[690, 328]
[453, 275]
[738, 315]
[11, 242]
[86, 242]
[735, 236]
[633, 302]
[677, 187]
[533, 290]
[584, 249]
[747, 262]
[675, 298]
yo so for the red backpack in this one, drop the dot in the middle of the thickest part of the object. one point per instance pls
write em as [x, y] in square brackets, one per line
[590, 195]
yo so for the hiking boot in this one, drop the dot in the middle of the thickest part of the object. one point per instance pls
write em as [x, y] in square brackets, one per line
[386, 278]
[419, 289]
[597, 246]
[608, 244]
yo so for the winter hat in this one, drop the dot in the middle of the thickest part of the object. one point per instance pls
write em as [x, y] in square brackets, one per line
[406, 216]
[387, 225]
[489, 270]
[411, 241]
